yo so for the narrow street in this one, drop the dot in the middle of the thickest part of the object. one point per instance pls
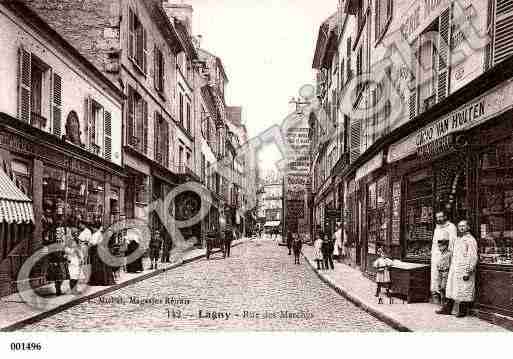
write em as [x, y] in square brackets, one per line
[259, 279]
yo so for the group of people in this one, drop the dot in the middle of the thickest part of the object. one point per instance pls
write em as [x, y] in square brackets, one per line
[454, 259]
[79, 247]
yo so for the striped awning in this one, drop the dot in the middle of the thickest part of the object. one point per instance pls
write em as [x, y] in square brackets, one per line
[15, 206]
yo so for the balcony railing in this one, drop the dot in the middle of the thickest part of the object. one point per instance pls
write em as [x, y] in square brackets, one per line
[38, 121]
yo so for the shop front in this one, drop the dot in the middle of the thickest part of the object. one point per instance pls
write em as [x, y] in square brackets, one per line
[70, 183]
[461, 163]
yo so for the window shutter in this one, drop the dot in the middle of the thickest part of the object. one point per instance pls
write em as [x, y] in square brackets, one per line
[165, 142]
[356, 139]
[412, 102]
[145, 127]
[107, 118]
[130, 133]
[156, 135]
[88, 120]
[145, 51]
[131, 34]
[444, 54]
[24, 85]
[57, 105]
[503, 31]
[156, 68]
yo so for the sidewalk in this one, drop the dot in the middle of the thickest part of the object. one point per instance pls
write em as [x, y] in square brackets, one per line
[421, 317]
[15, 313]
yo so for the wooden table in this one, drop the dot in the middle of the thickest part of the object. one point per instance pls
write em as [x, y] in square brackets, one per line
[411, 281]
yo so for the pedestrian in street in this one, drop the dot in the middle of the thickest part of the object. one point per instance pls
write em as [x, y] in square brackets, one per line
[155, 246]
[443, 270]
[135, 265]
[167, 244]
[84, 240]
[289, 241]
[461, 282]
[228, 238]
[297, 244]
[57, 270]
[74, 256]
[442, 224]
[318, 252]
[327, 252]
[382, 266]
[337, 236]
[101, 273]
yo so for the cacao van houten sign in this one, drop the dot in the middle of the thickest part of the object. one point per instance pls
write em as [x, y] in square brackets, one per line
[484, 108]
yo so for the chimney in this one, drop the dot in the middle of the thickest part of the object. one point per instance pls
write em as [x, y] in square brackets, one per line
[182, 12]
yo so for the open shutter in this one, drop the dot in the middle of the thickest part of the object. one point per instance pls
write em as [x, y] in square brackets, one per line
[356, 139]
[57, 105]
[144, 127]
[24, 85]
[156, 137]
[444, 54]
[165, 142]
[156, 68]
[88, 117]
[145, 51]
[107, 125]
[130, 125]
[503, 31]
[413, 100]
[131, 34]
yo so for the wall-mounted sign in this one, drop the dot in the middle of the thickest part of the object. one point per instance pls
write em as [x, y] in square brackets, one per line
[396, 212]
[375, 163]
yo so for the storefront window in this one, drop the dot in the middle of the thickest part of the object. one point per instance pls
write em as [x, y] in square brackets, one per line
[95, 201]
[76, 200]
[496, 205]
[419, 215]
[54, 187]
[23, 174]
[377, 214]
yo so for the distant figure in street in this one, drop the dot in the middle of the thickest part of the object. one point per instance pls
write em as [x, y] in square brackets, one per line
[327, 252]
[228, 238]
[443, 270]
[135, 266]
[318, 251]
[167, 244]
[155, 246]
[290, 239]
[337, 236]
[297, 244]
[382, 265]
[461, 282]
[442, 224]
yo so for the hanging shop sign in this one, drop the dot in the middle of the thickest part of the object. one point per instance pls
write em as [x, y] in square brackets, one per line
[475, 113]
[396, 212]
[375, 163]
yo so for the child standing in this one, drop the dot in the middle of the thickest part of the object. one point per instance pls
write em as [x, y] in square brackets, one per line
[318, 251]
[443, 272]
[382, 265]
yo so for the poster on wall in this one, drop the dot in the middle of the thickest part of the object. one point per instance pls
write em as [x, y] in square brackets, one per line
[396, 213]
[297, 174]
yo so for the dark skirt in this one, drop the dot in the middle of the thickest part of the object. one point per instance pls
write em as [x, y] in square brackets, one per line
[101, 273]
[57, 269]
[137, 265]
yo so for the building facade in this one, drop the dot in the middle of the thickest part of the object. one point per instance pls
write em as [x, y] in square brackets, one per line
[429, 130]
[60, 136]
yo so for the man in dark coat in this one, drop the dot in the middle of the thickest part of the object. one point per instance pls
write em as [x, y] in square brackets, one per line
[166, 247]
[56, 271]
[289, 241]
[327, 252]
[297, 244]
[228, 238]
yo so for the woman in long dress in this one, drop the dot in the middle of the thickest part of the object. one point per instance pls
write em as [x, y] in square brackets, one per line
[101, 273]
[135, 266]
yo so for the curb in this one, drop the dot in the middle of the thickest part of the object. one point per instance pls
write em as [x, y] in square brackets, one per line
[41, 316]
[360, 303]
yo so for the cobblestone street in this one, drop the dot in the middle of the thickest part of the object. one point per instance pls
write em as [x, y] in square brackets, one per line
[258, 281]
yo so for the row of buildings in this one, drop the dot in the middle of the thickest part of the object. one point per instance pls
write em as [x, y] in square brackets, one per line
[106, 106]
[417, 116]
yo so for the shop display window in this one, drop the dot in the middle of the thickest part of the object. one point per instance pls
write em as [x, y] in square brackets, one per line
[95, 201]
[54, 187]
[496, 205]
[419, 215]
[76, 209]
[377, 214]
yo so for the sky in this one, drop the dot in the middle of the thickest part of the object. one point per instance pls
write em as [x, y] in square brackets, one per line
[267, 49]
